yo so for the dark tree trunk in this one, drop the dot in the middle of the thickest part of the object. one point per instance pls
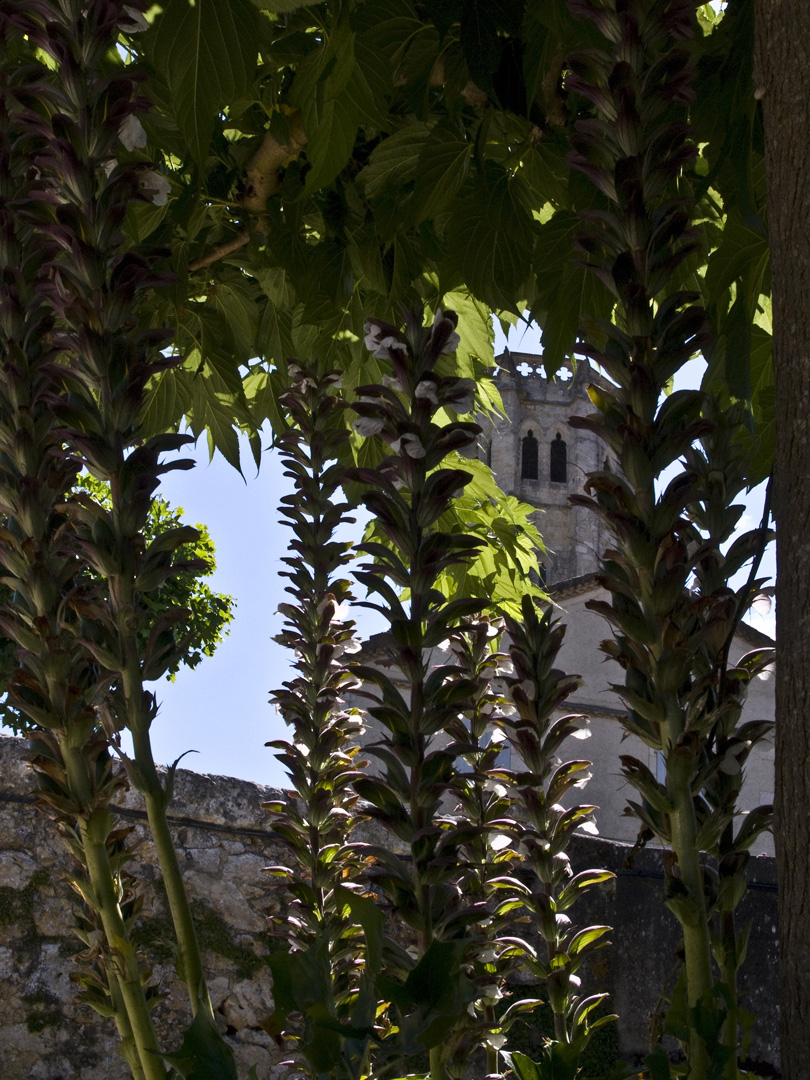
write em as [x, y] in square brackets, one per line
[782, 68]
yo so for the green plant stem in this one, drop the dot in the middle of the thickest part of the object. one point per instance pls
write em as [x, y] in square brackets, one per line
[93, 831]
[697, 945]
[145, 776]
[492, 1053]
[560, 1029]
[139, 1026]
[129, 1047]
[728, 937]
[156, 804]
[437, 1068]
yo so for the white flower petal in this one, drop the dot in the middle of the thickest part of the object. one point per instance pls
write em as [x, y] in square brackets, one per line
[368, 425]
[499, 841]
[157, 185]
[411, 445]
[588, 827]
[453, 343]
[528, 688]
[730, 765]
[581, 728]
[426, 390]
[495, 788]
[132, 133]
[387, 348]
[583, 733]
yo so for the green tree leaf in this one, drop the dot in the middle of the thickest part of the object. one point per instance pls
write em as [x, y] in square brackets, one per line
[490, 238]
[213, 406]
[168, 399]
[440, 172]
[330, 144]
[207, 54]
[395, 161]
[235, 300]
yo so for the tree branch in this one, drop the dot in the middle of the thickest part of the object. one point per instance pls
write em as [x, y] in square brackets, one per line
[219, 251]
[552, 99]
[263, 169]
[262, 180]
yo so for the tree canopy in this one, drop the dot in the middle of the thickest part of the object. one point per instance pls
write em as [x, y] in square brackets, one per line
[304, 166]
[308, 165]
[207, 613]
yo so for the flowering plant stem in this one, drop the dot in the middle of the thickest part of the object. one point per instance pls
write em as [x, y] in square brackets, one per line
[324, 972]
[58, 686]
[94, 289]
[672, 609]
[408, 493]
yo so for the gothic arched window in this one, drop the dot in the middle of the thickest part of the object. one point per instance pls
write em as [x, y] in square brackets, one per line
[558, 464]
[529, 457]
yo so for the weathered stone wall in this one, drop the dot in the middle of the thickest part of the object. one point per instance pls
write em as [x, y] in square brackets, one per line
[224, 842]
[222, 835]
[640, 968]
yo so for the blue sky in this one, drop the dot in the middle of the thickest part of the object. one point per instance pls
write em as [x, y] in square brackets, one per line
[221, 709]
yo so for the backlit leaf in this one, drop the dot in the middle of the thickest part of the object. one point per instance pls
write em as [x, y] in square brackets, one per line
[207, 54]
[394, 162]
[490, 238]
[442, 167]
[167, 400]
[566, 292]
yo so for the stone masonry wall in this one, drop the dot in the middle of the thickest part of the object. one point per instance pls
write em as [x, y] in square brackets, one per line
[224, 843]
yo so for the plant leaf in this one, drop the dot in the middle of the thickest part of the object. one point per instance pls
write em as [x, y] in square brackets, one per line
[204, 1054]
[207, 54]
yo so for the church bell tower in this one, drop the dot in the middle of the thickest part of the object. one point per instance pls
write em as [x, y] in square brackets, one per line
[540, 459]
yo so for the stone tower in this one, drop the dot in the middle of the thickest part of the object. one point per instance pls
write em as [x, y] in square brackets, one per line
[539, 458]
